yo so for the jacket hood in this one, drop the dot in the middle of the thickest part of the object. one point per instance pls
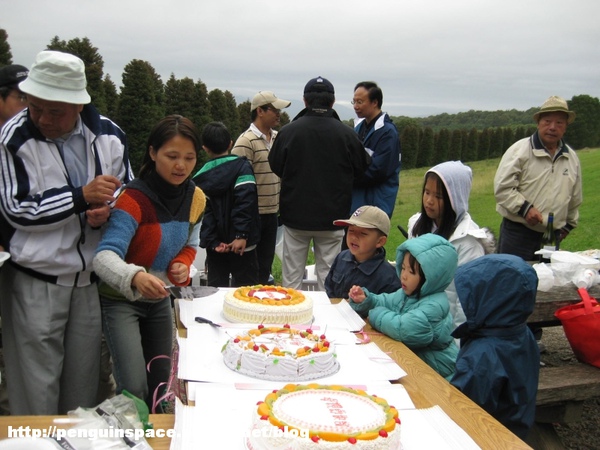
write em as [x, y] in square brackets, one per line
[218, 175]
[457, 179]
[496, 291]
[437, 257]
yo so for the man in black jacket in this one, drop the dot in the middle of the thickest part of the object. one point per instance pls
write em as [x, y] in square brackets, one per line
[318, 159]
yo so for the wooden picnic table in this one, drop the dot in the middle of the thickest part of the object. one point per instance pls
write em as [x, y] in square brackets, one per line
[427, 388]
[546, 303]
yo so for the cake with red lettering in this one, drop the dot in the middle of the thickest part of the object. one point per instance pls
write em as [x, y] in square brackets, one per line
[281, 354]
[314, 416]
[267, 304]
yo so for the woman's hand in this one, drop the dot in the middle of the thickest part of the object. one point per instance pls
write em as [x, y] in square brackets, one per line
[179, 272]
[151, 287]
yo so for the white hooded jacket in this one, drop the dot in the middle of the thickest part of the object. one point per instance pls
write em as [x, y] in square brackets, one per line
[470, 241]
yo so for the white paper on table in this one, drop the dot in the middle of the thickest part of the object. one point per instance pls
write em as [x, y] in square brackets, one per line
[355, 322]
[226, 410]
[433, 428]
[200, 359]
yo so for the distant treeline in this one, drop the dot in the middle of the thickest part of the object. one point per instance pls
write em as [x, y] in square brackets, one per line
[478, 135]
[143, 99]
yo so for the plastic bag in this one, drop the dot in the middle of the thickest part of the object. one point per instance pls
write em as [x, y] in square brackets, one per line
[115, 423]
[564, 272]
[585, 278]
[545, 276]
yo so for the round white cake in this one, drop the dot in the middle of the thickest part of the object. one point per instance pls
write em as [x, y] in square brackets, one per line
[314, 416]
[281, 354]
[267, 304]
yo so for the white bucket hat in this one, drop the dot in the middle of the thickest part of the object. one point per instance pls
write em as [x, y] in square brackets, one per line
[58, 77]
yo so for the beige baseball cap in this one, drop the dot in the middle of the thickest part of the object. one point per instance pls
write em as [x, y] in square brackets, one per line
[367, 217]
[268, 98]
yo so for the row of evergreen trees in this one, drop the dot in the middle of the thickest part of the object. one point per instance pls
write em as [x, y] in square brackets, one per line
[431, 140]
[144, 99]
[422, 147]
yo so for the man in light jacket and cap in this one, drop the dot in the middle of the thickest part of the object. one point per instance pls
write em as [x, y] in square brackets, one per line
[255, 144]
[536, 176]
[62, 163]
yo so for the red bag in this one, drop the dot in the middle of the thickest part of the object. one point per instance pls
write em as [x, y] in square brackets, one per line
[581, 323]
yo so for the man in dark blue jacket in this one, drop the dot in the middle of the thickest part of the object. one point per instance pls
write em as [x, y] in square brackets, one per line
[378, 185]
[498, 363]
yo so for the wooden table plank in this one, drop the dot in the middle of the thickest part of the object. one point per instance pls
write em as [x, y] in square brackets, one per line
[427, 388]
[546, 303]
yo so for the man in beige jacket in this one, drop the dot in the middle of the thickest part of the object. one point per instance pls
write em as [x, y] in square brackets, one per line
[536, 176]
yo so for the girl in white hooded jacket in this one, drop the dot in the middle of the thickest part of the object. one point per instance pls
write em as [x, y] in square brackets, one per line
[444, 211]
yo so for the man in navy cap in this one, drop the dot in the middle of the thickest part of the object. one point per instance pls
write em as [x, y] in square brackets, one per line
[318, 159]
[12, 100]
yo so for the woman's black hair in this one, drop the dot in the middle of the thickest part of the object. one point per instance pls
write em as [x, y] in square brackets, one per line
[163, 131]
[425, 224]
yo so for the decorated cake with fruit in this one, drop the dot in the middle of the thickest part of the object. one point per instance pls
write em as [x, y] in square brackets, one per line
[267, 304]
[323, 417]
[281, 354]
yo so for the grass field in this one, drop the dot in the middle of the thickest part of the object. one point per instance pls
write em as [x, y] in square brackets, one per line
[482, 204]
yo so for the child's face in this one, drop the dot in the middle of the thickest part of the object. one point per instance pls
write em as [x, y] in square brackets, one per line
[364, 242]
[175, 160]
[409, 278]
[433, 200]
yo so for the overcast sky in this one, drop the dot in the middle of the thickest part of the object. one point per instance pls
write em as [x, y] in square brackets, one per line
[428, 56]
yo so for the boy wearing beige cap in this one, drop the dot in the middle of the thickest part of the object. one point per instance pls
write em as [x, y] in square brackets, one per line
[364, 262]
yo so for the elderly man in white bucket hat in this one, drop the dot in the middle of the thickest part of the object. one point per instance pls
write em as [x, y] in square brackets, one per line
[538, 175]
[62, 163]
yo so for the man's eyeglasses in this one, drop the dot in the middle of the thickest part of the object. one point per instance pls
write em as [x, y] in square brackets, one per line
[356, 102]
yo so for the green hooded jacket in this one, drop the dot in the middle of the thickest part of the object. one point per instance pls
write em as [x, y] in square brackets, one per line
[423, 323]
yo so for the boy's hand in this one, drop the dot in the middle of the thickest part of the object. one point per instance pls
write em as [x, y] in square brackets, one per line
[356, 294]
[222, 248]
[238, 246]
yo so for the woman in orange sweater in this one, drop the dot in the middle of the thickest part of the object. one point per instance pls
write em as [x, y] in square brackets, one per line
[150, 241]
